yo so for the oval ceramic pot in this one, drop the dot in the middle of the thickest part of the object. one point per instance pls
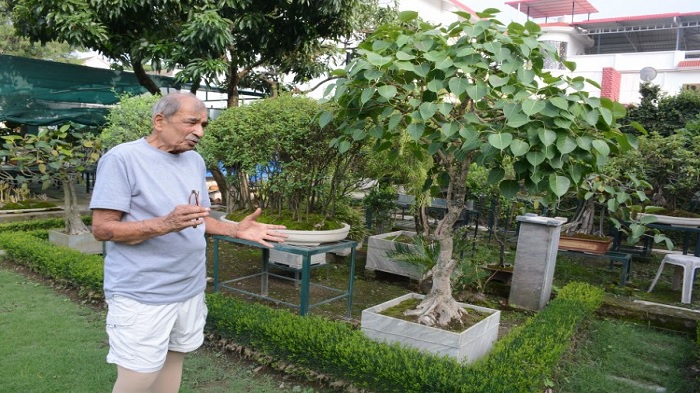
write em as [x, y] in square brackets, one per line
[313, 238]
[671, 220]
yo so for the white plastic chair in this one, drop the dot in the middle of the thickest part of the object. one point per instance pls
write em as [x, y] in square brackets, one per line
[689, 263]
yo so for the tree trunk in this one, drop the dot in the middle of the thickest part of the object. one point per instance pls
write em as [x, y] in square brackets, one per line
[246, 200]
[439, 307]
[220, 180]
[144, 79]
[73, 222]
[422, 221]
[232, 85]
[583, 221]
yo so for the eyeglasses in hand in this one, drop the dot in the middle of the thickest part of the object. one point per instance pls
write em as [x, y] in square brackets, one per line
[194, 195]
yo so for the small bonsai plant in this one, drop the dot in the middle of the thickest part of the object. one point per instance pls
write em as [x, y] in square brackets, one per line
[56, 153]
[379, 204]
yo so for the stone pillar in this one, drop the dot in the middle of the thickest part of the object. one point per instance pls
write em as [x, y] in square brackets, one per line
[535, 258]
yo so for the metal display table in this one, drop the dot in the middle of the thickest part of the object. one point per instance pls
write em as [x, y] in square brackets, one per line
[687, 233]
[306, 252]
[647, 242]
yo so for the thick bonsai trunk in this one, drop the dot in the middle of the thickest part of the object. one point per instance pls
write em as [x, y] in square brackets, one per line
[73, 222]
[583, 221]
[220, 180]
[439, 307]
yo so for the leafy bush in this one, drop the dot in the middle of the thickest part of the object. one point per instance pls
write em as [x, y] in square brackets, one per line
[519, 363]
[59, 263]
[672, 165]
[522, 359]
[18, 226]
[129, 120]
[379, 203]
[274, 149]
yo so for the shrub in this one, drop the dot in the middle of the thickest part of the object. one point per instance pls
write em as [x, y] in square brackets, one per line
[59, 263]
[128, 121]
[518, 363]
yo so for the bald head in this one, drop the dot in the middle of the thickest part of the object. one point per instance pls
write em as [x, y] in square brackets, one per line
[170, 104]
[179, 120]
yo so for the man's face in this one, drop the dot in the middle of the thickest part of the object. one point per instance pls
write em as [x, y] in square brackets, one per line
[182, 131]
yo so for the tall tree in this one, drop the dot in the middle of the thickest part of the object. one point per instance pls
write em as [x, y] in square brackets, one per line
[15, 45]
[204, 38]
[475, 91]
[122, 31]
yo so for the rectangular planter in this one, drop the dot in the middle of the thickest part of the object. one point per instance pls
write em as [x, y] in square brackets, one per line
[295, 261]
[84, 243]
[468, 346]
[592, 246]
[377, 248]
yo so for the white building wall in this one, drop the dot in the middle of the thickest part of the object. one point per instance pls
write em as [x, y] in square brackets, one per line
[669, 77]
[576, 43]
[434, 11]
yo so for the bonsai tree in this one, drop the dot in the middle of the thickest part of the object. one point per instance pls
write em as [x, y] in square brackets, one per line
[379, 204]
[473, 91]
[60, 153]
[277, 157]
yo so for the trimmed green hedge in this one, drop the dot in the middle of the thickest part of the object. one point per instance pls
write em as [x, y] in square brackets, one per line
[44, 223]
[82, 270]
[520, 361]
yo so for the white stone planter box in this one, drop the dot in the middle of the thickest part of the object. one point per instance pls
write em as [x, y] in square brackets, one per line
[377, 248]
[293, 260]
[467, 346]
[84, 243]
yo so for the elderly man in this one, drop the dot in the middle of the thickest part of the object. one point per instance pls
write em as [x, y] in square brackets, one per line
[147, 207]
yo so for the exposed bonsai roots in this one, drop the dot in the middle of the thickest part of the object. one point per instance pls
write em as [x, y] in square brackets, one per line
[437, 311]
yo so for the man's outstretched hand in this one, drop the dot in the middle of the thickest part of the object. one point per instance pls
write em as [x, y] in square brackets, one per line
[250, 229]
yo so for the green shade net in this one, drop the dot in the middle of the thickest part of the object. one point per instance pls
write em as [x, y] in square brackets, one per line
[40, 93]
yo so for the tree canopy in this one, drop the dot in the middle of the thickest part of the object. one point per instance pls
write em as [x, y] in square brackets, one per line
[15, 45]
[474, 91]
[204, 38]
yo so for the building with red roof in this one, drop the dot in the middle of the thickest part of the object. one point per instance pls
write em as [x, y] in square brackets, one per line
[622, 52]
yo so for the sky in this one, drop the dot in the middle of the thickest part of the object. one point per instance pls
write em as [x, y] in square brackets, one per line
[606, 8]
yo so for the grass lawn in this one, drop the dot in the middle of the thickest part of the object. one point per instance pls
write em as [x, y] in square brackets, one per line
[51, 344]
[616, 356]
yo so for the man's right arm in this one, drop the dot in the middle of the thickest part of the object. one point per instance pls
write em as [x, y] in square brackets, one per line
[107, 225]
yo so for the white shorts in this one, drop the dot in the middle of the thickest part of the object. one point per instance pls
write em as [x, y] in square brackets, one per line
[140, 335]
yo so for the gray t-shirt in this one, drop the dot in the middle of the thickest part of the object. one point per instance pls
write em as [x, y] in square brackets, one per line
[144, 182]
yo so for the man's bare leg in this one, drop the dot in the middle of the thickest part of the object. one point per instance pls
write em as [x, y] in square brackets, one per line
[166, 380]
[133, 382]
[170, 376]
